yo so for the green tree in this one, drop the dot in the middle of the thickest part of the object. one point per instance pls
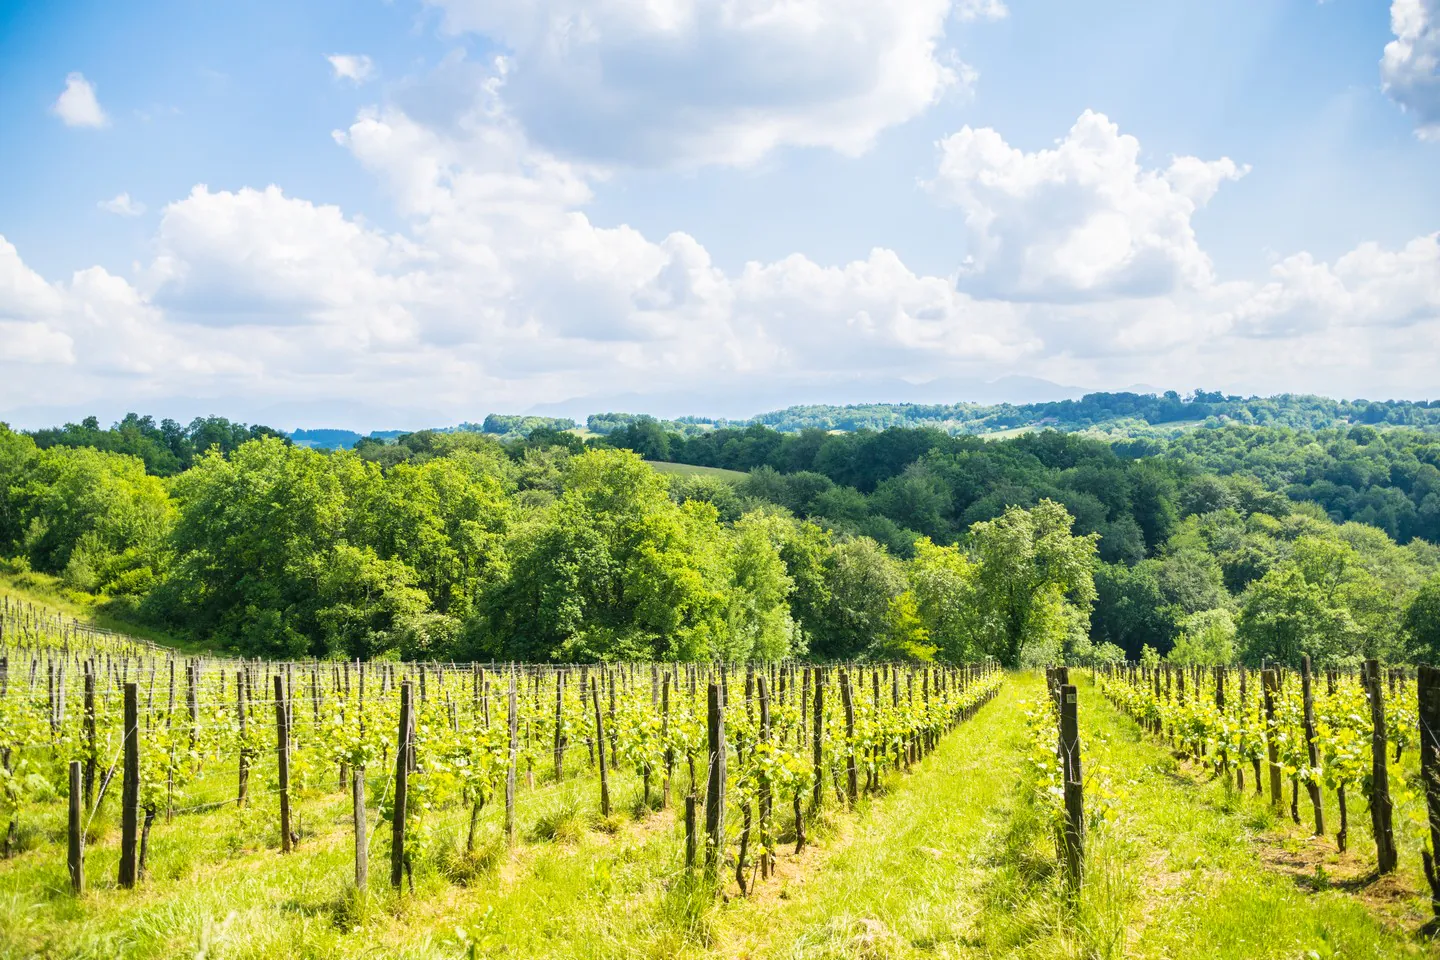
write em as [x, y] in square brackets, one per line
[943, 584]
[1422, 623]
[1284, 616]
[1031, 569]
[1207, 639]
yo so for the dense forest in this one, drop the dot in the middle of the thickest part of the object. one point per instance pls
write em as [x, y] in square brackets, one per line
[1120, 413]
[527, 541]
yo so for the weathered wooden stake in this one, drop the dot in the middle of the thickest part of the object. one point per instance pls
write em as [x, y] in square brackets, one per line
[76, 858]
[1270, 683]
[715, 786]
[362, 843]
[817, 741]
[1313, 751]
[130, 788]
[514, 727]
[852, 774]
[690, 831]
[1074, 831]
[604, 768]
[282, 750]
[1381, 811]
[403, 749]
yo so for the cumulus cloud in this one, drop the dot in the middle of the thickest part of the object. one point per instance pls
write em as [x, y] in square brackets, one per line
[1367, 288]
[1082, 220]
[499, 290]
[715, 81]
[355, 67]
[122, 205]
[77, 105]
[1410, 67]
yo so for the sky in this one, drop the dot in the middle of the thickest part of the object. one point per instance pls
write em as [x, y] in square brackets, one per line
[374, 214]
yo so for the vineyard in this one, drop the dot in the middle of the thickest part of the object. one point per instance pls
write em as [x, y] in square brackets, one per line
[370, 808]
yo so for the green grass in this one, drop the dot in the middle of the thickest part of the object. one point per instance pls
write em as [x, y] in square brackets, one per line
[688, 469]
[50, 592]
[955, 859]
[1009, 433]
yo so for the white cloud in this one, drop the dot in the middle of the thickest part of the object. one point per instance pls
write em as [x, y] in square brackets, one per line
[355, 67]
[1082, 220]
[1367, 288]
[258, 257]
[970, 10]
[500, 291]
[716, 81]
[122, 205]
[1410, 67]
[77, 105]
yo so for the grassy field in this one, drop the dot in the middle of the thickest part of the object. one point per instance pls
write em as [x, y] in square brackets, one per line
[50, 592]
[692, 470]
[954, 859]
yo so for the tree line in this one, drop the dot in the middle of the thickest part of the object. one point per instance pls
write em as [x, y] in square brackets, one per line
[1235, 542]
[1226, 544]
[465, 547]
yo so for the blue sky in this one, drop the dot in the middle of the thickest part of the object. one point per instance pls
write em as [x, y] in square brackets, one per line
[708, 207]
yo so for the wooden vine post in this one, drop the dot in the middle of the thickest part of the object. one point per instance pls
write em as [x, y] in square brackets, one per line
[402, 787]
[715, 783]
[665, 739]
[76, 827]
[767, 855]
[1428, 689]
[282, 750]
[90, 761]
[817, 741]
[1381, 809]
[852, 775]
[130, 788]
[1074, 831]
[1312, 785]
[559, 725]
[513, 724]
[1270, 684]
[604, 768]
[690, 832]
[243, 777]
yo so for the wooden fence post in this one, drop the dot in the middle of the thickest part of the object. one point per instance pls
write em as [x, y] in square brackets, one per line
[765, 801]
[604, 768]
[1074, 832]
[1381, 811]
[242, 786]
[817, 741]
[715, 785]
[847, 696]
[90, 761]
[559, 725]
[282, 750]
[362, 843]
[514, 729]
[1270, 684]
[690, 832]
[76, 858]
[1428, 690]
[130, 788]
[403, 749]
[1312, 750]
[665, 739]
